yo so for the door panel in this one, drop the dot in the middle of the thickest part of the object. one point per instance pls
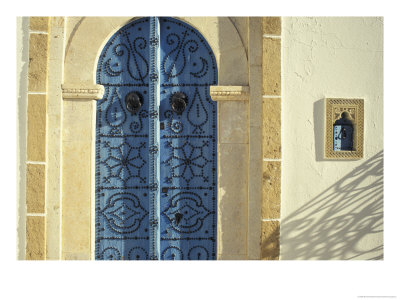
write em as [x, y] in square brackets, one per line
[122, 209]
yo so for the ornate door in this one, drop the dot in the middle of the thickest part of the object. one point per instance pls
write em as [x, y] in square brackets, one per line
[156, 144]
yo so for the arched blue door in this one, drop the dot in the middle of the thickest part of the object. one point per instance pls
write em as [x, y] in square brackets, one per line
[156, 144]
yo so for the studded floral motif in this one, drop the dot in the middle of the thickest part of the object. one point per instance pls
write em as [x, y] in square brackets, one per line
[124, 163]
[156, 179]
[188, 161]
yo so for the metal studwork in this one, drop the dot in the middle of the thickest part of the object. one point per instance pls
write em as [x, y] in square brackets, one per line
[156, 144]
[154, 171]
[122, 159]
[188, 144]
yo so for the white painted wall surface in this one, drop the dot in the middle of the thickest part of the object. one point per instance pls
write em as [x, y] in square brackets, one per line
[331, 209]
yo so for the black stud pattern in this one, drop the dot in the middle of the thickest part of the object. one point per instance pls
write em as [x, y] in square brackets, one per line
[172, 253]
[188, 145]
[122, 149]
[188, 56]
[110, 253]
[123, 164]
[156, 178]
[124, 213]
[188, 162]
[124, 59]
[186, 212]
[138, 253]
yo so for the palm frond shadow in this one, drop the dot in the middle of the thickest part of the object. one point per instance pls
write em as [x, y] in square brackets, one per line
[343, 222]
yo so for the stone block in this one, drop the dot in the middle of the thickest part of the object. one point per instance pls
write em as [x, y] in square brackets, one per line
[233, 122]
[271, 204]
[76, 201]
[77, 170]
[271, 128]
[37, 72]
[39, 23]
[272, 25]
[35, 238]
[36, 140]
[35, 188]
[270, 240]
[232, 200]
[271, 66]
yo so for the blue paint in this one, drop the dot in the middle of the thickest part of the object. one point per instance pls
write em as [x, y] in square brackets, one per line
[343, 134]
[156, 170]
[188, 145]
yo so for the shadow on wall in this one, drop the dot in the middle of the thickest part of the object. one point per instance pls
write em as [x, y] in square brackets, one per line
[319, 126]
[343, 222]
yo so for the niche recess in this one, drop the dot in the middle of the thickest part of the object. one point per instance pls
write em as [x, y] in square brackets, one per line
[353, 109]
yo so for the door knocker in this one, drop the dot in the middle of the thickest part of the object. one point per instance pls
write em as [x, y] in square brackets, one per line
[134, 102]
[178, 102]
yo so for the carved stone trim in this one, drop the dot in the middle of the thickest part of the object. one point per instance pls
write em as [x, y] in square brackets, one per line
[82, 92]
[230, 92]
[334, 107]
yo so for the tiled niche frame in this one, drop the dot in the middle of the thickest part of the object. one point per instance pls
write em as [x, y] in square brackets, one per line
[334, 107]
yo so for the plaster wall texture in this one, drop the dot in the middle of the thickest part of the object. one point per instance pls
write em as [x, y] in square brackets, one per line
[331, 209]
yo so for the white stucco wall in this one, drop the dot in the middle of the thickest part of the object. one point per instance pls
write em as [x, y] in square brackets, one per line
[331, 209]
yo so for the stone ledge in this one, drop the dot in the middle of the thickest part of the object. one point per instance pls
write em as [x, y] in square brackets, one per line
[82, 92]
[231, 92]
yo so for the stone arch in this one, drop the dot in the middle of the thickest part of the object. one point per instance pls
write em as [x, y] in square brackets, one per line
[84, 47]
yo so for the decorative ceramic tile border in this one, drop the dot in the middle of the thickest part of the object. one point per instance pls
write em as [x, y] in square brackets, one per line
[334, 107]
[221, 93]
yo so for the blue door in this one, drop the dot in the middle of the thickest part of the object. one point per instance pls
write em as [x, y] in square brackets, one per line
[156, 144]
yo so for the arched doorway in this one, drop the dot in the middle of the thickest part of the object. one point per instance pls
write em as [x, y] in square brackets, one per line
[156, 144]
